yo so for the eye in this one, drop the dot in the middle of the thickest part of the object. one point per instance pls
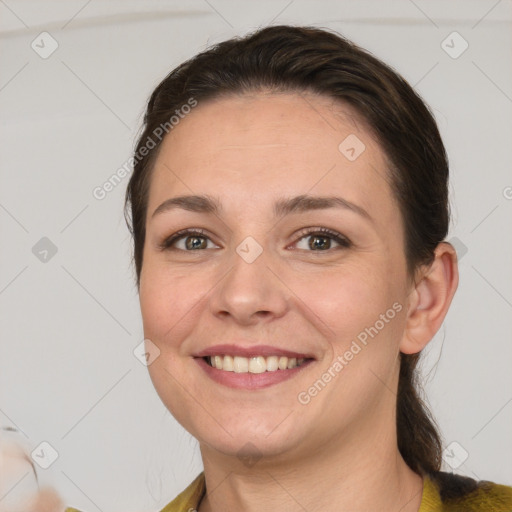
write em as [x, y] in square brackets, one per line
[187, 240]
[321, 239]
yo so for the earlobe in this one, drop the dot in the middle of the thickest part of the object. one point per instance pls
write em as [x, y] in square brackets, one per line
[430, 299]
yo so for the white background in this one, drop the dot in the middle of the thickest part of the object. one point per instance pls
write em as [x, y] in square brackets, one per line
[68, 326]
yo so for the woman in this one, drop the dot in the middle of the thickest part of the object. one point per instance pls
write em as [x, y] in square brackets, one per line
[289, 206]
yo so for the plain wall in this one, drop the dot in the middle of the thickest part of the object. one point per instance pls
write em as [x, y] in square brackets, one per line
[69, 325]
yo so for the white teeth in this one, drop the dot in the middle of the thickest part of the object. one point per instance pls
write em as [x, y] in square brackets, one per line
[292, 363]
[228, 364]
[241, 364]
[256, 364]
[283, 363]
[272, 363]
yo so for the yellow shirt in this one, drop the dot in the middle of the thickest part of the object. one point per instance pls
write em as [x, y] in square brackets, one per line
[437, 496]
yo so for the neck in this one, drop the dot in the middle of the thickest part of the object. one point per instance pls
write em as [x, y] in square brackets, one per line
[359, 471]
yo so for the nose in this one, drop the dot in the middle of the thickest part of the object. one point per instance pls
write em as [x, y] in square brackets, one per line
[250, 292]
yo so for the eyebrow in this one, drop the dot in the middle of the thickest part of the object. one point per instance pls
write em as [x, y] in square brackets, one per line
[285, 206]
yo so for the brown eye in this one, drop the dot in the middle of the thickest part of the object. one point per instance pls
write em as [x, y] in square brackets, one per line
[195, 242]
[188, 241]
[321, 240]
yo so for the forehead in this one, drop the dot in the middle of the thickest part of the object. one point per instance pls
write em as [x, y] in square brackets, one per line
[252, 120]
[266, 143]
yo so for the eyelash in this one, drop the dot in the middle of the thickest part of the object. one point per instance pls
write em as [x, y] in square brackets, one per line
[337, 237]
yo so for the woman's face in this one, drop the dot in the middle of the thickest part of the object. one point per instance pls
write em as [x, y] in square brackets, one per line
[263, 285]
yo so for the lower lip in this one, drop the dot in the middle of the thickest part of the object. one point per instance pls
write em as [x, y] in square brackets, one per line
[249, 380]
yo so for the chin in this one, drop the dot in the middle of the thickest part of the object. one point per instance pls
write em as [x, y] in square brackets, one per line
[269, 439]
[251, 449]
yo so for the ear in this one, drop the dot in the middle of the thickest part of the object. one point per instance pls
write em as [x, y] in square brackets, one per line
[430, 299]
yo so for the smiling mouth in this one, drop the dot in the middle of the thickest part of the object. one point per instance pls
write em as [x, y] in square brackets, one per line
[256, 364]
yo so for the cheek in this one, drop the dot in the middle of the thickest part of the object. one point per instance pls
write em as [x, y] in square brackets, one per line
[359, 304]
[169, 304]
[350, 297]
[170, 301]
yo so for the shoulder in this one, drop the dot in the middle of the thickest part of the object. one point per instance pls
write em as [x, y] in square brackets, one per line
[463, 494]
[446, 492]
[190, 498]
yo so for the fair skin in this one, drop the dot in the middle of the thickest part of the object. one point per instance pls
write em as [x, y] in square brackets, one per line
[262, 448]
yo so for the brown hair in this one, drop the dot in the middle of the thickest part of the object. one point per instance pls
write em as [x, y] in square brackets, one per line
[287, 58]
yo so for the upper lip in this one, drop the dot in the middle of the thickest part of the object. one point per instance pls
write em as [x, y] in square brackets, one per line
[253, 351]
